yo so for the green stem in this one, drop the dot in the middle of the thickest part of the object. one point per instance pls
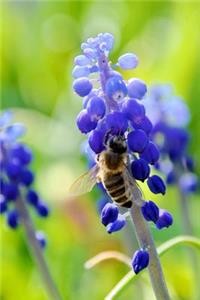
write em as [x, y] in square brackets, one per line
[187, 229]
[130, 276]
[187, 225]
[146, 242]
[36, 250]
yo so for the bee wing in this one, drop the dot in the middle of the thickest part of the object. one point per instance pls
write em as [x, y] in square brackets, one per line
[134, 187]
[85, 182]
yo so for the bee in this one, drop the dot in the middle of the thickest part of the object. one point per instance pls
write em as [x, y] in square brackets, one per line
[111, 169]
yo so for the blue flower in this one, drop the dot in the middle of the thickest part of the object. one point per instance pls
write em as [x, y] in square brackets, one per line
[96, 140]
[16, 176]
[144, 124]
[136, 88]
[84, 122]
[82, 86]
[115, 88]
[134, 111]
[156, 185]
[13, 219]
[188, 183]
[113, 106]
[128, 61]
[150, 211]
[151, 153]
[170, 116]
[140, 260]
[42, 209]
[137, 141]
[165, 219]
[116, 123]
[32, 197]
[140, 169]
[117, 225]
[109, 214]
[96, 108]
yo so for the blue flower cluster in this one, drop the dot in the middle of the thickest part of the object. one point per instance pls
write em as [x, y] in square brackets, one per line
[16, 178]
[113, 105]
[170, 116]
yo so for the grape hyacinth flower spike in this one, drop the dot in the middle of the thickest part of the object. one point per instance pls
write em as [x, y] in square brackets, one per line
[170, 116]
[114, 119]
[17, 194]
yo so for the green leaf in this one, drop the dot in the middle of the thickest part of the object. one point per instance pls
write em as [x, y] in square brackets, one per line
[162, 249]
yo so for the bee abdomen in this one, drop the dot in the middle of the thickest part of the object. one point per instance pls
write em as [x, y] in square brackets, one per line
[117, 192]
[114, 181]
[115, 187]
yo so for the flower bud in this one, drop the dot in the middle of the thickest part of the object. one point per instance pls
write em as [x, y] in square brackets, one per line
[176, 141]
[133, 110]
[171, 177]
[140, 169]
[128, 61]
[116, 88]
[116, 225]
[165, 219]
[80, 71]
[116, 123]
[32, 197]
[136, 88]
[137, 140]
[26, 177]
[42, 209]
[150, 211]
[144, 124]
[189, 163]
[13, 169]
[84, 122]
[156, 185]
[109, 213]
[96, 108]
[151, 153]
[13, 219]
[96, 140]
[82, 86]
[108, 40]
[188, 183]
[81, 60]
[140, 260]
[22, 153]
[10, 191]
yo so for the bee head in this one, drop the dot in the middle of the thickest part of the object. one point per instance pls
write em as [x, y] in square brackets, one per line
[117, 144]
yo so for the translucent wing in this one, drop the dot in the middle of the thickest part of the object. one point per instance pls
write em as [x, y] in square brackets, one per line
[85, 182]
[134, 187]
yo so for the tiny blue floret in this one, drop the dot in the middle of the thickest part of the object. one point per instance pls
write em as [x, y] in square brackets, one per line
[140, 260]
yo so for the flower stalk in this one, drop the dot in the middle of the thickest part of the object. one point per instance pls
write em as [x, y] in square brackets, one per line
[36, 250]
[146, 242]
[188, 230]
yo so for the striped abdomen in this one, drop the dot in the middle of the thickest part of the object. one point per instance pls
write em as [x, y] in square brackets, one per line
[116, 188]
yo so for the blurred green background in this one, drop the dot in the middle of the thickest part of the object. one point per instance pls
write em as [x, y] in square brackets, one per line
[39, 41]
